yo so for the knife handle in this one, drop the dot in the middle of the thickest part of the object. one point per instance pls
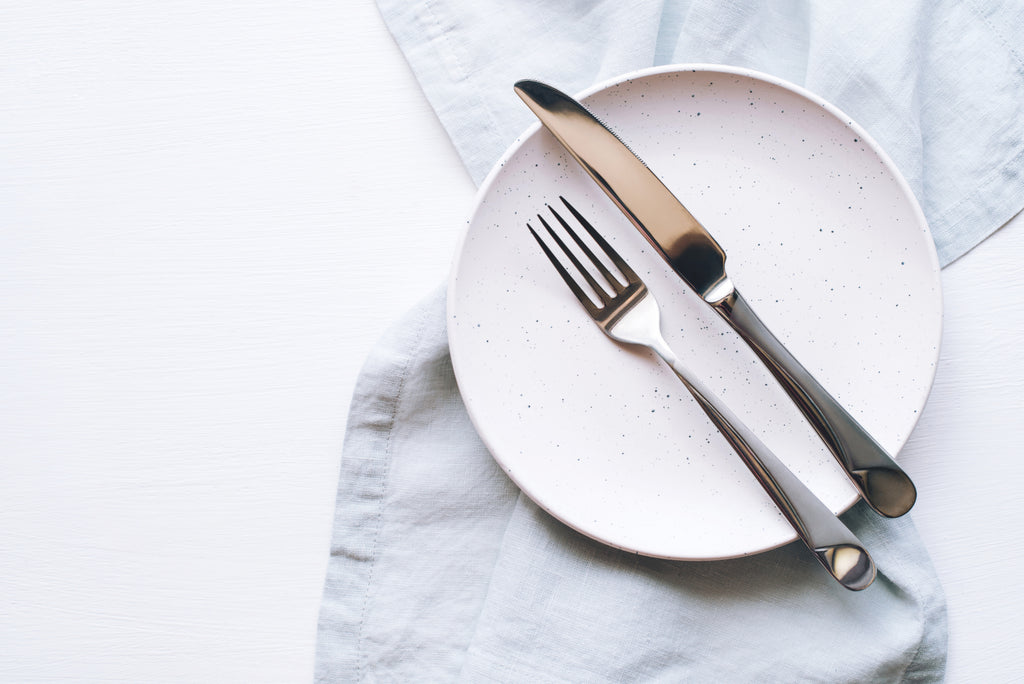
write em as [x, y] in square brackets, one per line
[828, 538]
[882, 483]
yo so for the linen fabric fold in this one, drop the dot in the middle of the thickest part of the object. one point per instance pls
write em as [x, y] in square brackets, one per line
[441, 570]
[938, 83]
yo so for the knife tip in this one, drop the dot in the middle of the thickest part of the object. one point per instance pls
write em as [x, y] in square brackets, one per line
[522, 87]
[538, 92]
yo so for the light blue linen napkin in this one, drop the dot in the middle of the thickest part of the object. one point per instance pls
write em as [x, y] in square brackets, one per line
[441, 570]
[938, 83]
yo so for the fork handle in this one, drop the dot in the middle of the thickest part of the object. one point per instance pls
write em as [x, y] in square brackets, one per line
[882, 483]
[831, 541]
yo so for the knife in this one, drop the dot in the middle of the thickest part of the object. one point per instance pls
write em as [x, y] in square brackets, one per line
[700, 261]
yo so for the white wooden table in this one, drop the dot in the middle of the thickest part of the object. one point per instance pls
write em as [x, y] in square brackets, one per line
[208, 213]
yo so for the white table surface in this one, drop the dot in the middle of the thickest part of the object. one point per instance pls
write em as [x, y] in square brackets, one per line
[208, 213]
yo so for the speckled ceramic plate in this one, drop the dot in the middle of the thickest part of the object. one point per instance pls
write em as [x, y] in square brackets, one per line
[823, 237]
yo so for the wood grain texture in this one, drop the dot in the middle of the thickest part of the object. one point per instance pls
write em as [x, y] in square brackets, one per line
[964, 457]
[208, 213]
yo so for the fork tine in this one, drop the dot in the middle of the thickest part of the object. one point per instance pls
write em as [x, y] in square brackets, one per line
[630, 275]
[612, 281]
[569, 280]
[598, 290]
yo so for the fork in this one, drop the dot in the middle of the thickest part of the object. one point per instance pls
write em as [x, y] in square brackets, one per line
[630, 314]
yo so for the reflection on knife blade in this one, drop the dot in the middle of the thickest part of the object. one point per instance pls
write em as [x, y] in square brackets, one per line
[700, 261]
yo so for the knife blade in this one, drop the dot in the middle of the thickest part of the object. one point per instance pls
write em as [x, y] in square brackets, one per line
[700, 261]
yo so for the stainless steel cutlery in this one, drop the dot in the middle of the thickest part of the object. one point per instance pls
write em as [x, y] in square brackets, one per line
[622, 306]
[700, 261]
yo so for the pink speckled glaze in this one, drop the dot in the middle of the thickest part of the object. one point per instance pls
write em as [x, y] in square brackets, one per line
[823, 237]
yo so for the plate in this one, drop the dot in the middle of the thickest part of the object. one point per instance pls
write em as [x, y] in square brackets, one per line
[823, 237]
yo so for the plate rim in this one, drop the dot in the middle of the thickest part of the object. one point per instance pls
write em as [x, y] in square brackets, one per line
[492, 176]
